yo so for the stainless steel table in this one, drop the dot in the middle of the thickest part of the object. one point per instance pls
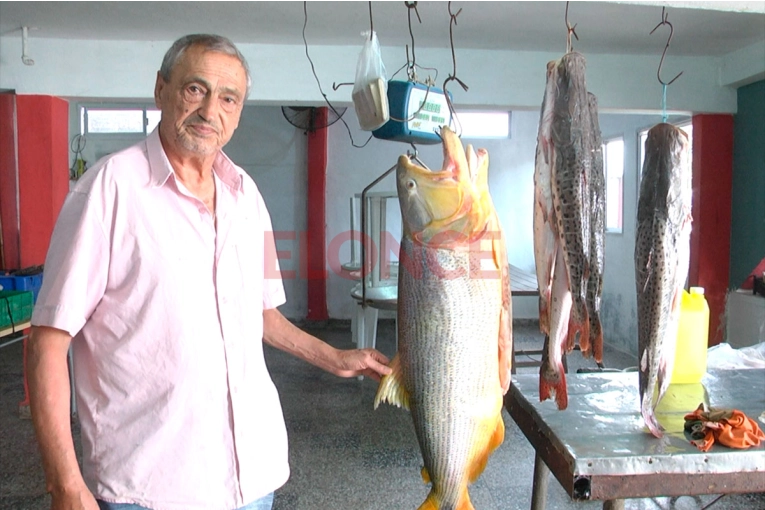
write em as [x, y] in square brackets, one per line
[599, 448]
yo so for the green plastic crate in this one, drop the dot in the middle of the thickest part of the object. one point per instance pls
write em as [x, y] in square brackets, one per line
[15, 307]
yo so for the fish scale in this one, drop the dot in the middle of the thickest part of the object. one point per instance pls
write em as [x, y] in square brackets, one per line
[662, 253]
[449, 408]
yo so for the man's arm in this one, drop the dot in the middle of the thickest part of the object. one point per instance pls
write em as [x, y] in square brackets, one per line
[282, 334]
[49, 397]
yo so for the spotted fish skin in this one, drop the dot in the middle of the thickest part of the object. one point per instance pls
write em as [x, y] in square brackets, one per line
[597, 192]
[571, 131]
[454, 321]
[662, 252]
[544, 214]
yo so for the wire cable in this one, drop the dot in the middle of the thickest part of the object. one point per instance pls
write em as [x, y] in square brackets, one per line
[318, 82]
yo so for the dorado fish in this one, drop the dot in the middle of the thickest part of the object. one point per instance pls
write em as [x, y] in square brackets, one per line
[571, 131]
[662, 251]
[454, 320]
[544, 214]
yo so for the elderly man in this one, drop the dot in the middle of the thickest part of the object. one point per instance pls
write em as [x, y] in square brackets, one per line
[160, 276]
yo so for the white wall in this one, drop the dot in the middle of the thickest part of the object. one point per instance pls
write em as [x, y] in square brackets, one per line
[282, 74]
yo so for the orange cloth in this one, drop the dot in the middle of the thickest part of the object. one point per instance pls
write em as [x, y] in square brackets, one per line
[729, 427]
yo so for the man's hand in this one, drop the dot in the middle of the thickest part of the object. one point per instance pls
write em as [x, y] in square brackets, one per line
[79, 499]
[367, 362]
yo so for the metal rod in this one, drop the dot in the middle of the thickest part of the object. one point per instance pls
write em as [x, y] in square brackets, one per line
[364, 233]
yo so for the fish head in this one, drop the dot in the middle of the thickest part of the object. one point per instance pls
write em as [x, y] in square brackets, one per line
[449, 206]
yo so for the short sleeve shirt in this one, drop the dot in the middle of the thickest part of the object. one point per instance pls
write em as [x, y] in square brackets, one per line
[176, 405]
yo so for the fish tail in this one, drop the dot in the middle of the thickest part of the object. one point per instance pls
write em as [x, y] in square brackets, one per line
[649, 417]
[432, 503]
[596, 338]
[579, 323]
[552, 381]
[647, 383]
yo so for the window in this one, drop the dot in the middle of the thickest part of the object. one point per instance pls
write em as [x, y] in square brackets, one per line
[484, 124]
[613, 168]
[643, 136]
[118, 120]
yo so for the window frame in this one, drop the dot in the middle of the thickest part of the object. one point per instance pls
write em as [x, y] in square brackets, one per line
[641, 146]
[457, 125]
[604, 144]
[84, 108]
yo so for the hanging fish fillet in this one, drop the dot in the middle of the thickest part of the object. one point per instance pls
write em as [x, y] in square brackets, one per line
[569, 222]
[544, 214]
[552, 376]
[571, 135]
[454, 320]
[662, 252]
[597, 190]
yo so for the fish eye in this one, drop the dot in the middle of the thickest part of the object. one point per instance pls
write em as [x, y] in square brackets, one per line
[410, 184]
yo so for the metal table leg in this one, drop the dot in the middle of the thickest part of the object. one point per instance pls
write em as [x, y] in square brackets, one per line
[541, 481]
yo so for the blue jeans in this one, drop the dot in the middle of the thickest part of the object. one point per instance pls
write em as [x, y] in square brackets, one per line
[263, 503]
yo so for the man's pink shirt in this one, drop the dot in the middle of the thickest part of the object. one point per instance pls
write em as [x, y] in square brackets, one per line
[177, 408]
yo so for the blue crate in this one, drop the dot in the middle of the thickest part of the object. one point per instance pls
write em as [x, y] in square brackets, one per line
[7, 282]
[30, 283]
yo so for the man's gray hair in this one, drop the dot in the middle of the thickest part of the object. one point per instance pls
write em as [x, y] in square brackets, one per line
[209, 42]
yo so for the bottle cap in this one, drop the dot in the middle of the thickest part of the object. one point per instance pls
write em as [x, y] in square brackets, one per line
[697, 290]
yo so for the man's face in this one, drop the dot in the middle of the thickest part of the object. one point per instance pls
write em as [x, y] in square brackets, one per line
[201, 103]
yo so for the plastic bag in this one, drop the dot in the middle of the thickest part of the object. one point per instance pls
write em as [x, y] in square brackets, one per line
[370, 88]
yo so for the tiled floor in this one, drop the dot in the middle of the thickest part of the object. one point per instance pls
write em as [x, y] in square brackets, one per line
[344, 454]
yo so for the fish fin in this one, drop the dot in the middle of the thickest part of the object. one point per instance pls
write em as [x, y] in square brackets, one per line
[505, 349]
[596, 339]
[552, 381]
[430, 503]
[425, 475]
[649, 417]
[463, 503]
[505, 337]
[579, 323]
[391, 389]
[479, 462]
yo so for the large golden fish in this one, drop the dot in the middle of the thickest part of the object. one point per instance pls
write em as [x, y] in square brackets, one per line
[454, 320]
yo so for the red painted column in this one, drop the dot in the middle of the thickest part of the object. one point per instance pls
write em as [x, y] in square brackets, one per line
[43, 155]
[316, 256]
[9, 182]
[710, 237]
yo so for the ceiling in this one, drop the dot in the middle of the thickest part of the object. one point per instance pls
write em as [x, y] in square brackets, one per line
[700, 28]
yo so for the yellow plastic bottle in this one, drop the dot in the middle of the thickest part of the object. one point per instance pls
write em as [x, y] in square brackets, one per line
[692, 338]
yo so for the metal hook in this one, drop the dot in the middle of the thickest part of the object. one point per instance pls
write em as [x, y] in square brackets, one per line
[24, 41]
[411, 73]
[664, 21]
[371, 23]
[569, 30]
